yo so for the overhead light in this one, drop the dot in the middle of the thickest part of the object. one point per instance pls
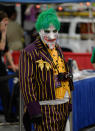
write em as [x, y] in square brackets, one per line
[88, 3]
[60, 8]
[37, 6]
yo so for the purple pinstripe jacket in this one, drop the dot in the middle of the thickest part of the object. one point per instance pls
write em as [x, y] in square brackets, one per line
[36, 76]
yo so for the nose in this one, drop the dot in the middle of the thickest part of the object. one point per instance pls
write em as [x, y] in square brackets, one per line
[52, 35]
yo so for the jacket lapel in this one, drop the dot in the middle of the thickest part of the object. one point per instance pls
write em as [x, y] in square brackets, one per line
[43, 52]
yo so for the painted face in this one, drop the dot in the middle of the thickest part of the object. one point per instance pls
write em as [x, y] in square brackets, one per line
[49, 36]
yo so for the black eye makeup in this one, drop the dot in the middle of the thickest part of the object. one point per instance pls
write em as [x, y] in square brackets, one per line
[46, 31]
[54, 31]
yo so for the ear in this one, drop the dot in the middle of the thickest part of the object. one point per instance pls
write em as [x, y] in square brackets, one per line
[41, 32]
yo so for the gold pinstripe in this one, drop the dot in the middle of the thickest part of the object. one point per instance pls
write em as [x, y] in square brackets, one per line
[38, 42]
[63, 107]
[33, 92]
[25, 79]
[40, 47]
[33, 54]
[45, 85]
[42, 86]
[38, 82]
[31, 82]
[58, 112]
[62, 115]
[54, 82]
[61, 110]
[50, 84]
[57, 105]
[37, 79]
[43, 120]
[56, 115]
[28, 66]
[35, 126]
[50, 117]
[46, 116]
[22, 77]
[42, 75]
[29, 89]
[46, 75]
[45, 90]
[31, 61]
[31, 77]
[38, 127]
[39, 88]
[34, 88]
[52, 107]
[36, 70]
[44, 51]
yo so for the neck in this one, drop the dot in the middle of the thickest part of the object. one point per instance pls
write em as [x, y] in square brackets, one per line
[51, 46]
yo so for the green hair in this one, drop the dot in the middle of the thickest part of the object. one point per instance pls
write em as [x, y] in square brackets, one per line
[46, 18]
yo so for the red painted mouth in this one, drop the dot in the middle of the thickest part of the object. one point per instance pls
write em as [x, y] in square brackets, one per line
[52, 40]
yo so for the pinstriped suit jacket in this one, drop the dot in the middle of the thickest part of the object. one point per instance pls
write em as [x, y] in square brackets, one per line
[36, 76]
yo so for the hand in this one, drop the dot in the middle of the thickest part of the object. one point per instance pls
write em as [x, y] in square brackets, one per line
[27, 121]
[37, 119]
[15, 67]
[69, 76]
[3, 36]
[2, 46]
[3, 27]
[64, 76]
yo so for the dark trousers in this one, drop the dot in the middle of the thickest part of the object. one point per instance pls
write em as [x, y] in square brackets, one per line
[5, 97]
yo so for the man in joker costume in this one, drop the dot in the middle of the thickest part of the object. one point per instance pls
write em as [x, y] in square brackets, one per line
[45, 79]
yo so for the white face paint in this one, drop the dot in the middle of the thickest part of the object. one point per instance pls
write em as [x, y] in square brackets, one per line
[49, 36]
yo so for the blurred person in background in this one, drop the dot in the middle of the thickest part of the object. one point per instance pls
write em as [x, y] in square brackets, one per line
[15, 33]
[45, 80]
[4, 90]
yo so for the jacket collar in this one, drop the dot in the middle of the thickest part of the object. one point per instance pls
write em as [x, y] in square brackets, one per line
[43, 50]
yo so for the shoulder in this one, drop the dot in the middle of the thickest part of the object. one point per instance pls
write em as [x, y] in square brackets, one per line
[32, 49]
[32, 46]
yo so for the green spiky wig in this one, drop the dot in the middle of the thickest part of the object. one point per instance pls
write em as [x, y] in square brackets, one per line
[46, 18]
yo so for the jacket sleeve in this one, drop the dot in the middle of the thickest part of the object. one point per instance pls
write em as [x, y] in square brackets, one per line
[93, 56]
[27, 85]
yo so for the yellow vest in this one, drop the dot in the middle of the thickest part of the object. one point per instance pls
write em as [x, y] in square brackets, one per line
[60, 67]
